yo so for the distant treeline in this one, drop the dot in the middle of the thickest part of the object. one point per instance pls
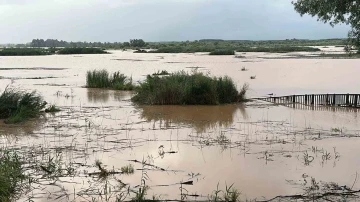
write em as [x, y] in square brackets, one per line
[203, 44]
[49, 51]
[135, 43]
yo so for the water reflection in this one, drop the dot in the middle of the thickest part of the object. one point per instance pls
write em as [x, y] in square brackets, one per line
[200, 118]
[96, 95]
[323, 108]
[26, 128]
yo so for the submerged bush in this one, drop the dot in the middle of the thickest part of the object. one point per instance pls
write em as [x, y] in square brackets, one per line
[278, 49]
[189, 89]
[102, 79]
[12, 178]
[52, 109]
[67, 51]
[18, 106]
[24, 51]
[222, 52]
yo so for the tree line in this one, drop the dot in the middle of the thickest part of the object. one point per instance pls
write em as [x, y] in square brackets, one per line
[135, 43]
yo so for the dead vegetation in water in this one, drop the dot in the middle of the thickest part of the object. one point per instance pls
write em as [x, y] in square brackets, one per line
[69, 157]
[314, 190]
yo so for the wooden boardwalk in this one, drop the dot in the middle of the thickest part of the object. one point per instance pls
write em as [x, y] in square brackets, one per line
[338, 100]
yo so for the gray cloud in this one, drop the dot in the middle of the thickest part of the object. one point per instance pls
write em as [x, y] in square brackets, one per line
[157, 20]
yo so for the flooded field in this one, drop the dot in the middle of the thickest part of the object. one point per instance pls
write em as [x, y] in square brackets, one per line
[185, 152]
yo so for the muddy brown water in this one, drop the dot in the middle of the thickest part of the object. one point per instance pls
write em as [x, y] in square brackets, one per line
[257, 146]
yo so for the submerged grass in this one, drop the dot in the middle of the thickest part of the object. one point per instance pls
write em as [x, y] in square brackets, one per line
[222, 52]
[18, 106]
[68, 51]
[102, 79]
[181, 88]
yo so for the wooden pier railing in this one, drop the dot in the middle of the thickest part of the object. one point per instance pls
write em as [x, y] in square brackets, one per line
[342, 100]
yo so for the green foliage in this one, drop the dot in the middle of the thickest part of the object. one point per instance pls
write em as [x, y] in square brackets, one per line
[23, 52]
[226, 48]
[137, 43]
[17, 106]
[278, 49]
[334, 12]
[52, 109]
[181, 88]
[205, 45]
[12, 178]
[67, 51]
[162, 72]
[230, 194]
[222, 52]
[102, 79]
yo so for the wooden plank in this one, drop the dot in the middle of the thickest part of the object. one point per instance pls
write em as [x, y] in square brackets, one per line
[356, 100]
[312, 99]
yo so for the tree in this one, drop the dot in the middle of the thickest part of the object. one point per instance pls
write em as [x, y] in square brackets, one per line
[334, 12]
[137, 43]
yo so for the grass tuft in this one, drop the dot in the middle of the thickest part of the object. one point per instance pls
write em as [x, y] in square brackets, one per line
[12, 178]
[127, 170]
[181, 88]
[18, 106]
[102, 79]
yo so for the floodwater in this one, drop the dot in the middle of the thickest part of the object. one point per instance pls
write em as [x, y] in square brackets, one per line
[259, 147]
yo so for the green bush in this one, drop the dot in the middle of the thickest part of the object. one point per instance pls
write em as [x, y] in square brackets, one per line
[222, 52]
[181, 88]
[17, 106]
[67, 51]
[102, 79]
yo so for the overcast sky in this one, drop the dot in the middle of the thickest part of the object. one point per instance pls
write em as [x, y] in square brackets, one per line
[157, 20]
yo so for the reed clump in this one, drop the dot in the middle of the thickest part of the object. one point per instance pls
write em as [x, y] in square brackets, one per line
[17, 106]
[12, 178]
[103, 79]
[181, 88]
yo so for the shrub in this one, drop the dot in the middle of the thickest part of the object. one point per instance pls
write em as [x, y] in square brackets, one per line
[17, 106]
[190, 89]
[222, 52]
[102, 79]
[67, 51]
